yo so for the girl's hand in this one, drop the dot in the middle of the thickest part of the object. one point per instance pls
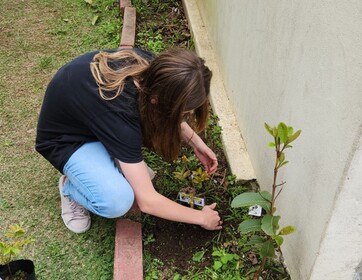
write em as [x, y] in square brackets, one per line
[212, 219]
[207, 157]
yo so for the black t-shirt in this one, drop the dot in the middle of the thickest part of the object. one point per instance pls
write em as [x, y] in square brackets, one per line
[73, 113]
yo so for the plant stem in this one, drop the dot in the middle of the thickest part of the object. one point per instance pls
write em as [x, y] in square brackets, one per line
[256, 275]
[11, 275]
[274, 186]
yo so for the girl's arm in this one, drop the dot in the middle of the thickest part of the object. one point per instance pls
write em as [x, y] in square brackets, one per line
[206, 156]
[151, 202]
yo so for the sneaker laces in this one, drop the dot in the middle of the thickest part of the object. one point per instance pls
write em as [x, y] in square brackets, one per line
[78, 211]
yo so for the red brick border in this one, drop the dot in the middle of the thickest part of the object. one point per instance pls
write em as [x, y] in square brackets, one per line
[128, 34]
[128, 251]
[128, 241]
[129, 28]
[124, 3]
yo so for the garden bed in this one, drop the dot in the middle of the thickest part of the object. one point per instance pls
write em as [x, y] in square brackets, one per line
[174, 250]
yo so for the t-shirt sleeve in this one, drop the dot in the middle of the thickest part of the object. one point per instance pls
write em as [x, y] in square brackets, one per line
[120, 134]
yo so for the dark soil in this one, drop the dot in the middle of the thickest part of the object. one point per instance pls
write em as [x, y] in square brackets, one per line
[175, 243]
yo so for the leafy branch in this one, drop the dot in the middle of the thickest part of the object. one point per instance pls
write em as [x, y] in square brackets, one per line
[271, 238]
[12, 244]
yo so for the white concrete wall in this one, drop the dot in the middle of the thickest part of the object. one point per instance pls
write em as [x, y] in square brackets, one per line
[299, 62]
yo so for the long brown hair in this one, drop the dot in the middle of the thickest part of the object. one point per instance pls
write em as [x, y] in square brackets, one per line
[113, 80]
[172, 87]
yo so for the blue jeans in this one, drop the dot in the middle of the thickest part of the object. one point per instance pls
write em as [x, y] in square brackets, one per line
[96, 183]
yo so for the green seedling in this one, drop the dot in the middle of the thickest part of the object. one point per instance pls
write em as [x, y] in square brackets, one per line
[223, 260]
[191, 199]
[193, 179]
[11, 245]
[268, 225]
[198, 256]
[190, 172]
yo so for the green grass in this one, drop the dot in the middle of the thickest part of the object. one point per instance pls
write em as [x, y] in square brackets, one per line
[37, 37]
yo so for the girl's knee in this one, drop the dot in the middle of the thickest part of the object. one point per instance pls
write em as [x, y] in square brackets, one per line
[118, 204]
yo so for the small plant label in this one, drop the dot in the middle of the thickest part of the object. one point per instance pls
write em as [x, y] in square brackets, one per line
[255, 210]
[190, 199]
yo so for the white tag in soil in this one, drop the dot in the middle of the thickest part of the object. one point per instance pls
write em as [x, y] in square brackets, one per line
[255, 210]
[190, 199]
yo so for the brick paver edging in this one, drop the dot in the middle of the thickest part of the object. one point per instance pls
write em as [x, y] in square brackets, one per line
[128, 241]
[128, 251]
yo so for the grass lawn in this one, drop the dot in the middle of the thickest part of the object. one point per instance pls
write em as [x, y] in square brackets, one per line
[36, 38]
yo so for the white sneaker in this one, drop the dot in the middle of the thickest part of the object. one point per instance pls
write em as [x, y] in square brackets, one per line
[75, 217]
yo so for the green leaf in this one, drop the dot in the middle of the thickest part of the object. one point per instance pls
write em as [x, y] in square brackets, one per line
[271, 145]
[250, 226]
[281, 158]
[255, 240]
[224, 259]
[216, 253]
[278, 239]
[287, 230]
[269, 129]
[275, 132]
[182, 175]
[229, 257]
[248, 199]
[283, 163]
[7, 251]
[217, 265]
[290, 130]
[269, 224]
[294, 136]
[282, 132]
[267, 249]
[17, 231]
[14, 251]
[197, 257]
[94, 19]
